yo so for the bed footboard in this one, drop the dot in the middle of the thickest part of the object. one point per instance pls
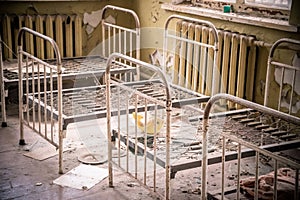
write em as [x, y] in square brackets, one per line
[37, 76]
[257, 150]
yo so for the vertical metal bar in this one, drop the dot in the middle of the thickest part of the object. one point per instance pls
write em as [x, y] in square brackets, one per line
[20, 83]
[168, 142]
[49, 32]
[59, 107]
[145, 141]
[225, 64]
[239, 172]
[177, 50]
[136, 140]
[268, 82]
[39, 97]
[130, 54]
[183, 51]
[196, 59]
[39, 42]
[29, 38]
[27, 92]
[103, 38]
[108, 116]
[45, 102]
[275, 179]
[114, 39]
[78, 36]
[204, 158]
[69, 37]
[109, 39]
[203, 61]
[154, 149]
[119, 130]
[250, 69]
[223, 166]
[256, 176]
[280, 90]
[3, 106]
[127, 131]
[296, 194]
[217, 56]
[189, 56]
[125, 51]
[292, 91]
[7, 36]
[51, 105]
[33, 93]
[233, 66]
[241, 68]
[137, 43]
[59, 34]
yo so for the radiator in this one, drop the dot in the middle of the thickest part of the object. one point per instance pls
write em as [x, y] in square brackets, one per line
[234, 70]
[66, 30]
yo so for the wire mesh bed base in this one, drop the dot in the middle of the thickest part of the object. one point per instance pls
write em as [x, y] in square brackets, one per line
[186, 149]
[72, 68]
[87, 103]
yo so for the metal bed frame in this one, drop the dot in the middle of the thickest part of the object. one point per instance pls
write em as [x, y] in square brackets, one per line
[281, 134]
[41, 81]
[115, 38]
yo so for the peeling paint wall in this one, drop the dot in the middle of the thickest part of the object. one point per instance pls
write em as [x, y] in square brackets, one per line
[288, 91]
[148, 11]
[89, 10]
[152, 19]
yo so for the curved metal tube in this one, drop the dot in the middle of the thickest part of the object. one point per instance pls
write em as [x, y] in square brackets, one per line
[111, 58]
[59, 86]
[193, 20]
[243, 102]
[136, 18]
[270, 59]
[215, 46]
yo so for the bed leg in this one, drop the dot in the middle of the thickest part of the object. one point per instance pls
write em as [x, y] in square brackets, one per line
[22, 142]
[4, 124]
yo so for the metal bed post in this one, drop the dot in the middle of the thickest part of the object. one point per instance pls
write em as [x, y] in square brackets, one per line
[283, 66]
[168, 115]
[59, 87]
[136, 31]
[243, 102]
[3, 105]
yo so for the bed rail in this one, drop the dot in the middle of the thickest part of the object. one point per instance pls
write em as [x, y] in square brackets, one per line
[3, 105]
[185, 72]
[121, 35]
[147, 100]
[37, 76]
[258, 150]
[286, 74]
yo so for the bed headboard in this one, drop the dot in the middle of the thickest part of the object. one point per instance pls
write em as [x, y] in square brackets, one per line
[282, 90]
[210, 61]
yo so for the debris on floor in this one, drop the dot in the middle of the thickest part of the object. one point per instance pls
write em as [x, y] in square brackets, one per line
[82, 177]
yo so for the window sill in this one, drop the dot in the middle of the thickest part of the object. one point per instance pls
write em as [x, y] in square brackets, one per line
[232, 17]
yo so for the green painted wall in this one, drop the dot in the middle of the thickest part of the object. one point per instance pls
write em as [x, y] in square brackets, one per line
[64, 7]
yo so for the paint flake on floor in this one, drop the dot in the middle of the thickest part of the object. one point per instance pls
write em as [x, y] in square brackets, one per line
[82, 177]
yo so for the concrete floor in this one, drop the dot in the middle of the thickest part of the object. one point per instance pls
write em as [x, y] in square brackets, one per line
[26, 178]
[23, 177]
